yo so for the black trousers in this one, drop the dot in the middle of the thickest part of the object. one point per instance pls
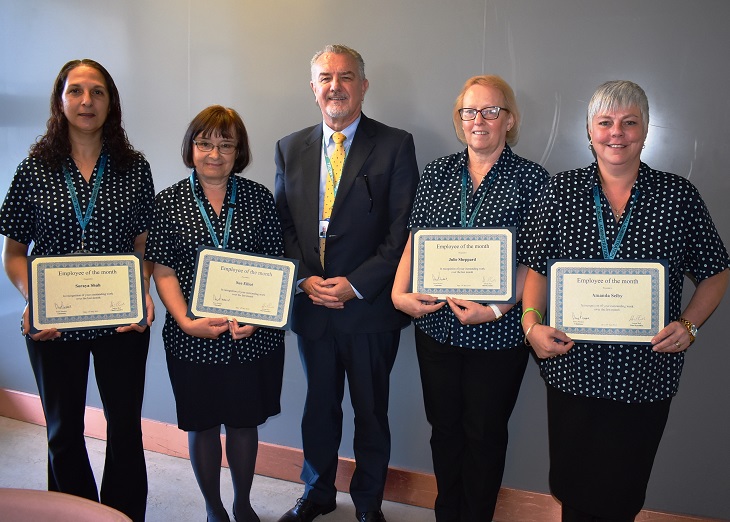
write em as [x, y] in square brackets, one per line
[367, 359]
[61, 371]
[601, 454]
[469, 395]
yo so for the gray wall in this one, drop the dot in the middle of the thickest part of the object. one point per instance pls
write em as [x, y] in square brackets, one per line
[171, 58]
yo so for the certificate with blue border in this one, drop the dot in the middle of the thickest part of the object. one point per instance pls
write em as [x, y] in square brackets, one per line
[608, 301]
[249, 288]
[477, 264]
[81, 291]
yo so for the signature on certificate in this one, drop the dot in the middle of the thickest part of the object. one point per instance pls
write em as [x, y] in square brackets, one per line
[61, 308]
[219, 299]
[435, 278]
[579, 316]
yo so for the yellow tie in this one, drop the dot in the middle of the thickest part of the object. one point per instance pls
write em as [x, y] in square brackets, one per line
[337, 161]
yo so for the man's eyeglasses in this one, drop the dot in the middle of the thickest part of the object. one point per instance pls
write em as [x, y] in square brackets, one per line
[223, 148]
[488, 113]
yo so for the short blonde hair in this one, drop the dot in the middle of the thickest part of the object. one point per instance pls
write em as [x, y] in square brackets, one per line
[510, 103]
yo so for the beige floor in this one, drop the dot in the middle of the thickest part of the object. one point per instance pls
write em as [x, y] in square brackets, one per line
[173, 493]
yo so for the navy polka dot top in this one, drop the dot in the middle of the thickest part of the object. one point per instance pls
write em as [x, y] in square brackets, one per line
[177, 231]
[38, 210]
[438, 205]
[670, 222]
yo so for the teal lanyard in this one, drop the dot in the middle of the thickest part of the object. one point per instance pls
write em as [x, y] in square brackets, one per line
[464, 192]
[602, 225]
[206, 218]
[83, 219]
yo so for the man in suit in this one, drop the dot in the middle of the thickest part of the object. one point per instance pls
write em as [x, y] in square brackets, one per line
[343, 316]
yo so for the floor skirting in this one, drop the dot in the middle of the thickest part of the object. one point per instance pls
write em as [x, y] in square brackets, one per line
[285, 463]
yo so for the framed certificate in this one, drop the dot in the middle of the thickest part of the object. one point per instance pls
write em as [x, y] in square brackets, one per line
[608, 301]
[477, 264]
[249, 288]
[85, 291]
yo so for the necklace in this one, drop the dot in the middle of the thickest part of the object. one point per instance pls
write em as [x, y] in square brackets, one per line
[477, 175]
[617, 211]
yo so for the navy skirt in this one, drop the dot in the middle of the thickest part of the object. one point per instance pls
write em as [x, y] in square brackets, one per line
[239, 395]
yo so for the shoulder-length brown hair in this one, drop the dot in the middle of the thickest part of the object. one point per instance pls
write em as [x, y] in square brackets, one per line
[217, 120]
[55, 146]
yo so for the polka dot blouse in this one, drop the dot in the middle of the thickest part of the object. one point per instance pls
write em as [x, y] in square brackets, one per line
[38, 210]
[669, 221]
[506, 202]
[177, 231]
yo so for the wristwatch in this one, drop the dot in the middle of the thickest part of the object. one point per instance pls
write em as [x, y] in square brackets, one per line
[497, 312]
[691, 328]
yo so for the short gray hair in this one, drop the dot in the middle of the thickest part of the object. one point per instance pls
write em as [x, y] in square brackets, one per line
[618, 94]
[341, 49]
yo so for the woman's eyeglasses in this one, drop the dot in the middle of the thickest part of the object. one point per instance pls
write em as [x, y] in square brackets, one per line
[488, 113]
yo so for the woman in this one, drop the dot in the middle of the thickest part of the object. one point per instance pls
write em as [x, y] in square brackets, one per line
[601, 395]
[83, 187]
[471, 355]
[222, 373]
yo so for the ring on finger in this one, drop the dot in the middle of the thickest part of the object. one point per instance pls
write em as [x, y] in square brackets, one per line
[677, 344]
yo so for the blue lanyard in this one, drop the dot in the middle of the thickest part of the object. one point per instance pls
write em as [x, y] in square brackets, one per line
[206, 218]
[464, 191]
[602, 226]
[330, 172]
[83, 219]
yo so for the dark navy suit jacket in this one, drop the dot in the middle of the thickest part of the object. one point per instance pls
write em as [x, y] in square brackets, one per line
[368, 226]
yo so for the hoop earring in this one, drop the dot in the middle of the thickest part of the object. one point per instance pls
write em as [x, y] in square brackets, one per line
[590, 144]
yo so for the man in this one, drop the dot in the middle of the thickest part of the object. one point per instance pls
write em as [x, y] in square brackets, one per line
[343, 316]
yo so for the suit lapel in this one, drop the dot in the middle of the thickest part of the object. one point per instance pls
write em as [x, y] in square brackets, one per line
[362, 147]
[309, 196]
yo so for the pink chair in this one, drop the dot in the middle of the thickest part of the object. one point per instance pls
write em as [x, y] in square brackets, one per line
[30, 505]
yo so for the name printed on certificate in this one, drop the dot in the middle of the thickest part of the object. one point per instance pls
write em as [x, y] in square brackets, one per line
[608, 301]
[249, 288]
[86, 291]
[477, 264]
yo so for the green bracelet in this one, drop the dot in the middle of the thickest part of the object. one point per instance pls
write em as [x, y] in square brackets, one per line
[524, 313]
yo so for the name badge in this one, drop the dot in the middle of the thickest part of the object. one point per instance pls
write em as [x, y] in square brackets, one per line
[323, 226]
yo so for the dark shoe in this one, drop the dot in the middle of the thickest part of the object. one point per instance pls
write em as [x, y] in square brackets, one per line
[306, 511]
[371, 516]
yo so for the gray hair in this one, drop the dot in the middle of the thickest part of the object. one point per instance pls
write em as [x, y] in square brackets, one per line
[618, 94]
[341, 49]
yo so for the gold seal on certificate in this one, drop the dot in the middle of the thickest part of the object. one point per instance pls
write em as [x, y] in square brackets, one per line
[86, 291]
[249, 288]
[477, 264]
[608, 301]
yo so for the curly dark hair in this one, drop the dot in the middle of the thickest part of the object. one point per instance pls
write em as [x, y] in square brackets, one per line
[55, 146]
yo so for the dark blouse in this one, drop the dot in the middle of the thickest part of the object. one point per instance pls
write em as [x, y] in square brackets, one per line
[177, 231]
[38, 209]
[670, 222]
[506, 202]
